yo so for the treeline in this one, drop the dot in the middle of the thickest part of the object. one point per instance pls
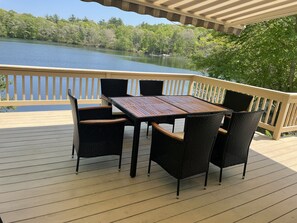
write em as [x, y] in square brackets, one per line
[112, 34]
[264, 55]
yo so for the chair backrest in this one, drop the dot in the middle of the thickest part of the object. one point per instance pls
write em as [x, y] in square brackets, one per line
[151, 87]
[240, 134]
[75, 117]
[114, 87]
[74, 108]
[237, 101]
[200, 134]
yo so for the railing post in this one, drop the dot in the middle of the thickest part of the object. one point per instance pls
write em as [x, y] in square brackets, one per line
[191, 86]
[281, 118]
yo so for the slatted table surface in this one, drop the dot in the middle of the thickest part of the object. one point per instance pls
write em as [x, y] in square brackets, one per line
[191, 104]
[143, 107]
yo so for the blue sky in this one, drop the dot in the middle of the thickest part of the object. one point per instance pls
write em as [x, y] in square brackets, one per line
[65, 8]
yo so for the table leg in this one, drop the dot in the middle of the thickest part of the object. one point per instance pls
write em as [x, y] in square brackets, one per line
[135, 149]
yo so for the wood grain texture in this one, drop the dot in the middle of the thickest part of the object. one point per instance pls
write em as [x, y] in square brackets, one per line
[38, 181]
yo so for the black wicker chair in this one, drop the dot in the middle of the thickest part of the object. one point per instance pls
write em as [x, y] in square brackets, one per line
[154, 88]
[237, 102]
[187, 155]
[113, 88]
[232, 146]
[96, 133]
[151, 87]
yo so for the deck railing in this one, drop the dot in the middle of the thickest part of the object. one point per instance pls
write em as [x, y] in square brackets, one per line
[48, 86]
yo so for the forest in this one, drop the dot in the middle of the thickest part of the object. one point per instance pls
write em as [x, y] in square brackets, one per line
[112, 34]
[264, 55]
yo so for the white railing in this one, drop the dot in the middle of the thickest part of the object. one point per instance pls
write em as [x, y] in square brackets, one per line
[48, 86]
[280, 108]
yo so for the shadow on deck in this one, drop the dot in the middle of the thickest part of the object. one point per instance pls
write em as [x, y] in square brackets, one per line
[38, 181]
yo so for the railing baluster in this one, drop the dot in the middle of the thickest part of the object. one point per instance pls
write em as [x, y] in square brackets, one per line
[7, 87]
[176, 87]
[206, 92]
[274, 113]
[264, 104]
[92, 88]
[199, 87]
[46, 87]
[165, 87]
[74, 86]
[67, 86]
[288, 115]
[23, 87]
[170, 87]
[98, 88]
[173, 87]
[257, 103]
[137, 87]
[201, 90]
[182, 86]
[209, 93]
[294, 122]
[219, 92]
[39, 88]
[15, 87]
[131, 86]
[268, 111]
[31, 87]
[293, 115]
[61, 88]
[87, 88]
[54, 88]
[80, 88]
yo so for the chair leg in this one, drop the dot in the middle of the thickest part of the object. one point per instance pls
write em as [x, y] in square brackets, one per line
[244, 170]
[177, 188]
[149, 168]
[147, 129]
[77, 164]
[221, 173]
[120, 163]
[173, 125]
[72, 150]
[205, 181]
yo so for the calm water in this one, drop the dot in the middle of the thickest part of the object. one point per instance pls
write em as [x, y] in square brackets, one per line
[32, 53]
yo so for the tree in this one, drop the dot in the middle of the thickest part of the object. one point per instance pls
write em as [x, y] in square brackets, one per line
[115, 22]
[54, 18]
[264, 55]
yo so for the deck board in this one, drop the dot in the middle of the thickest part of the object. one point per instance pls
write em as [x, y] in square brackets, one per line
[38, 181]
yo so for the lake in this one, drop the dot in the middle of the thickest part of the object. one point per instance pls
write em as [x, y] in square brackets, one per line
[36, 53]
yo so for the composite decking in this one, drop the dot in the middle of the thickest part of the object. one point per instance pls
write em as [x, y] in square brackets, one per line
[38, 181]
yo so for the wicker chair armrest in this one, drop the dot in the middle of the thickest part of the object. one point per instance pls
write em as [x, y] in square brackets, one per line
[95, 108]
[103, 122]
[100, 112]
[103, 97]
[178, 137]
[223, 131]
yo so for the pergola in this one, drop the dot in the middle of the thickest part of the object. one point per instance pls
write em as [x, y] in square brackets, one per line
[229, 16]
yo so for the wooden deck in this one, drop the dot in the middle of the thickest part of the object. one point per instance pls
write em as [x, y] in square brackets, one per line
[38, 181]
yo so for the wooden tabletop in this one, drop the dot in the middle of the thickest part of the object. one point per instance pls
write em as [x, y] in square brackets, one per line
[191, 104]
[143, 107]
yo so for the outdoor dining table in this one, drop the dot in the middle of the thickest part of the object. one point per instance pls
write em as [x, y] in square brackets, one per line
[153, 108]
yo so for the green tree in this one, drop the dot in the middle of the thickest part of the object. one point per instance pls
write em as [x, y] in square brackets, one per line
[115, 22]
[264, 55]
[54, 18]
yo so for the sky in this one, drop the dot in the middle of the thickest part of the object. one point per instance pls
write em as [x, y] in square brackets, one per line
[65, 8]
